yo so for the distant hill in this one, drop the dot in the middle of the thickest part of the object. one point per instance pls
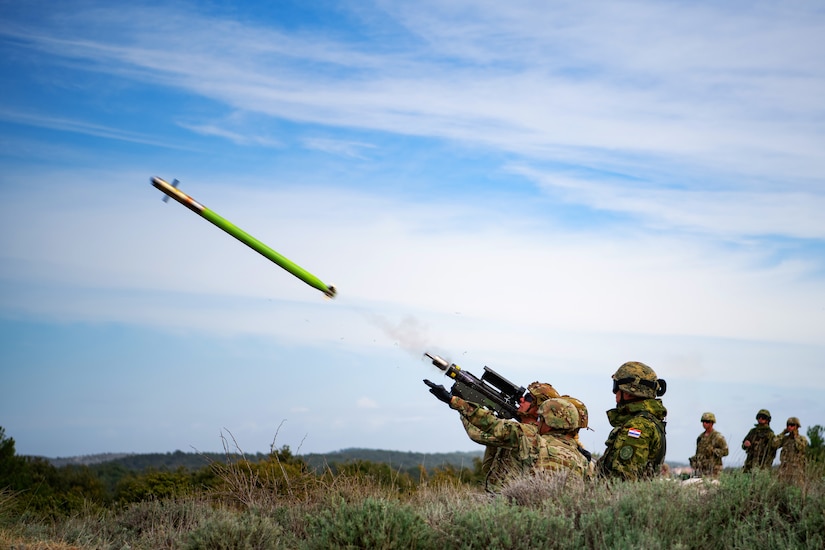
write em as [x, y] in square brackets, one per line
[317, 461]
[396, 459]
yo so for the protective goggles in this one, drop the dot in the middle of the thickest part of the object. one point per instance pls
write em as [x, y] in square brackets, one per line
[622, 381]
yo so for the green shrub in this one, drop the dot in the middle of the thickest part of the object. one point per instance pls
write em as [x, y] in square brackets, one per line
[504, 526]
[154, 485]
[372, 523]
[236, 531]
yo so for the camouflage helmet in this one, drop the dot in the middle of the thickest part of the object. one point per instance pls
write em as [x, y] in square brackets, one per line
[709, 417]
[639, 380]
[764, 412]
[541, 392]
[559, 414]
[580, 408]
[794, 420]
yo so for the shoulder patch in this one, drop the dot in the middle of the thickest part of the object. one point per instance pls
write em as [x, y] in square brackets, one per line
[634, 432]
[626, 453]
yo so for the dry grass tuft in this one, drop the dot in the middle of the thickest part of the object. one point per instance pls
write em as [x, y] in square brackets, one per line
[534, 490]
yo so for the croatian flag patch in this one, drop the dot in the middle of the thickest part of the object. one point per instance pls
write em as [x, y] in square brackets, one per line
[634, 432]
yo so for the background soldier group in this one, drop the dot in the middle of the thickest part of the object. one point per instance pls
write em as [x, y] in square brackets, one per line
[760, 446]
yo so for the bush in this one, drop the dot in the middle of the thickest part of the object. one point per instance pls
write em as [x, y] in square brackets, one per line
[502, 525]
[236, 531]
[154, 485]
[372, 523]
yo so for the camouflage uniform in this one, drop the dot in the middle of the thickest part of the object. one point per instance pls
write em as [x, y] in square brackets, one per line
[497, 460]
[528, 450]
[761, 452]
[564, 417]
[710, 448]
[792, 456]
[583, 424]
[636, 446]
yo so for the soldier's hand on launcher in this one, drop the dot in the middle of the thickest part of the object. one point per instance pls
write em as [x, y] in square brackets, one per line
[439, 391]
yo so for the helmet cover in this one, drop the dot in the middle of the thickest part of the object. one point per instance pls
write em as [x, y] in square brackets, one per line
[559, 414]
[638, 380]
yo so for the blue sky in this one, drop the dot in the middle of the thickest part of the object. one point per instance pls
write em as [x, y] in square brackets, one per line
[546, 188]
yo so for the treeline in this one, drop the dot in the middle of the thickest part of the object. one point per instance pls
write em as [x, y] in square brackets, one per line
[408, 461]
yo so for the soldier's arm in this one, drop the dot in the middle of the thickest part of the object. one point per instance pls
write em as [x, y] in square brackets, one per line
[487, 428]
[746, 443]
[776, 441]
[472, 432]
[721, 446]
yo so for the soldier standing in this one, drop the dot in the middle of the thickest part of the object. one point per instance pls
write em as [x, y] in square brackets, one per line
[710, 448]
[758, 444]
[636, 446]
[792, 456]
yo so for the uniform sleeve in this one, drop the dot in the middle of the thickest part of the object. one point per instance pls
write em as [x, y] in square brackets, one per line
[747, 438]
[721, 447]
[778, 440]
[472, 432]
[482, 426]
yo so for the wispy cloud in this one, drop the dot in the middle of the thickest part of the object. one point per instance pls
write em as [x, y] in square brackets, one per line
[239, 138]
[724, 212]
[614, 87]
[80, 126]
[345, 148]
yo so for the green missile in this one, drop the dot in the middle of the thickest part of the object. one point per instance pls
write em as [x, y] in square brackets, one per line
[250, 241]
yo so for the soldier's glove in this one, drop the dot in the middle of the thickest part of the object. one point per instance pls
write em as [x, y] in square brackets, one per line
[439, 391]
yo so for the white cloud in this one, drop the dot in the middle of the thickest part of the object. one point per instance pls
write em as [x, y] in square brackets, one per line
[544, 277]
[725, 213]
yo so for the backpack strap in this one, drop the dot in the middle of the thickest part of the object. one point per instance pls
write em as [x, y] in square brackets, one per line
[656, 462]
